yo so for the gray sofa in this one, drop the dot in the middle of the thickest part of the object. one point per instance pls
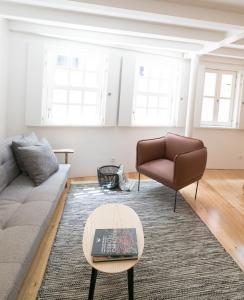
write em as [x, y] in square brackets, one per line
[25, 212]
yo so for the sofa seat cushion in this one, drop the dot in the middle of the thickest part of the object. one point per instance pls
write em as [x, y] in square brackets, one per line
[18, 190]
[16, 243]
[57, 178]
[7, 209]
[22, 189]
[18, 246]
[8, 273]
[161, 170]
[34, 213]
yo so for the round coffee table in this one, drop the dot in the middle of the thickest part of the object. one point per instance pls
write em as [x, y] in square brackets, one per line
[112, 216]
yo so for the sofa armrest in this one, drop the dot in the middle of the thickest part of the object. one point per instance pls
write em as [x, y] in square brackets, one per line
[148, 150]
[189, 167]
[66, 153]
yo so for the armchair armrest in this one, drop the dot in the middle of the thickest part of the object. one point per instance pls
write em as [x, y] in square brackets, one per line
[189, 167]
[149, 149]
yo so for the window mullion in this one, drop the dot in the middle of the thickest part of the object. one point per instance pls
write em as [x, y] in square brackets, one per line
[217, 96]
[232, 99]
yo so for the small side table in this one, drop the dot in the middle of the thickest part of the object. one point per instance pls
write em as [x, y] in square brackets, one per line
[66, 153]
[112, 215]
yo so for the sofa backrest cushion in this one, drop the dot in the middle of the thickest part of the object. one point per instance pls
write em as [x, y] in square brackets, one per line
[39, 162]
[23, 141]
[176, 144]
[8, 167]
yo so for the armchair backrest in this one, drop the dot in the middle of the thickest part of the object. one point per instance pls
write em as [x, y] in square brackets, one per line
[176, 144]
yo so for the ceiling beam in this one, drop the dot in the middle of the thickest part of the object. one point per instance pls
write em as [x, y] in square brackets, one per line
[231, 38]
[239, 42]
[229, 52]
[103, 38]
[236, 46]
[239, 63]
[153, 11]
[109, 24]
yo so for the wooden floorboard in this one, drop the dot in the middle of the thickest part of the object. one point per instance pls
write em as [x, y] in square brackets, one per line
[219, 204]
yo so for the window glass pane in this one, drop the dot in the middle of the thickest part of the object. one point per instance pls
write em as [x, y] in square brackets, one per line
[210, 84]
[75, 62]
[90, 98]
[155, 72]
[152, 114]
[90, 79]
[75, 97]
[158, 80]
[224, 110]
[59, 96]
[92, 64]
[153, 85]
[140, 115]
[164, 116]
[226, 85]
[62, 60]
[90, 114]
[77, 81]
[142, 85]
[207, 109]
[163, 102]
[74, 113]
[59, 113]
[143, 71]
[165, 87]
[76, 78]
[61, 77]
[141, 101]
[152, 101]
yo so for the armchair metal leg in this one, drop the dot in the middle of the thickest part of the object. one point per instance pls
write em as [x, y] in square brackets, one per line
[139, 179]
[175, 200]
[196, 190]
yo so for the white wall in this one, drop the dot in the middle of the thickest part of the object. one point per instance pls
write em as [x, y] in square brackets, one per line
[97, 146]
[93, 146]
[3, 75]
[225, 147]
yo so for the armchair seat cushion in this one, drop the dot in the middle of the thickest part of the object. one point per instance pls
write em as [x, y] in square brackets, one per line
[161, 170]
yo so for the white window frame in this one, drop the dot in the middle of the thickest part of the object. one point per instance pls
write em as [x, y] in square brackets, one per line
[49, 85]
[176, 94]
[238, 107]
[217, 97]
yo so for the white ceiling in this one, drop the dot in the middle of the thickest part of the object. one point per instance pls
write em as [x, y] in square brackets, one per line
[227, 5]
[200, 26]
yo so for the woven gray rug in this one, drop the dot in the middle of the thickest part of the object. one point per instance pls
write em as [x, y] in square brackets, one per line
[181, 260]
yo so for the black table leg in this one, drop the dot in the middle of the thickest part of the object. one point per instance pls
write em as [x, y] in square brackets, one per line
[130, 274]
[92, 284]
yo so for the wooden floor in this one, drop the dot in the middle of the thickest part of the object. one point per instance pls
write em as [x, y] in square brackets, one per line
[220, 205]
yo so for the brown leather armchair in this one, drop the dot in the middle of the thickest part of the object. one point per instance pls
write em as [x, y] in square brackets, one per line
[175, 161]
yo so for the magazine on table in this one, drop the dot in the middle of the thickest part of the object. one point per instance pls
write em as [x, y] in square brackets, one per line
[114, 244]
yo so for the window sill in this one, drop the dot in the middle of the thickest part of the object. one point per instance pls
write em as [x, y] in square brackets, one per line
[71, 126]
[218, 127]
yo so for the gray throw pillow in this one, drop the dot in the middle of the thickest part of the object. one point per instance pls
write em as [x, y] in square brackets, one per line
[39, 162]
[28, 140]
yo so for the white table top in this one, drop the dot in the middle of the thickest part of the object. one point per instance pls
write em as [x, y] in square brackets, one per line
[112, 216]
